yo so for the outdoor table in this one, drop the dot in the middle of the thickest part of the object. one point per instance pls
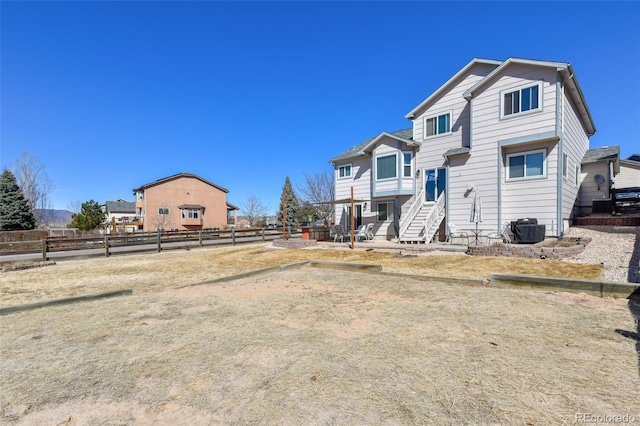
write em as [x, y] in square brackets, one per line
[476, 233]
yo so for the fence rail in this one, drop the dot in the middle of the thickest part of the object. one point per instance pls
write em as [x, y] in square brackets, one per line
[159, 241]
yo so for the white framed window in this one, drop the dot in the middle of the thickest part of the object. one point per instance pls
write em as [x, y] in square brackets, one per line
[565, 165]
[527, 165]
[163, 211]
[386, 167]
[522, 100]
[139, 195]
[344, 171]
[407, 164]
[194, 213]
[437, 125]
[385, 211]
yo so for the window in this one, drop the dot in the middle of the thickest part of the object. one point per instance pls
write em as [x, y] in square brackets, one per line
[407, 169]
[194, 213]
[435, 183]
[527, 165]
[386, 167]
[521, 100]
[385, 211]
[344, 171]
[438, 125]
[163, 211]
[565, 165]
[139, 195]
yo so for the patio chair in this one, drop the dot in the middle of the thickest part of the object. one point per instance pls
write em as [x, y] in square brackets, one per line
[369, 232]
[361, 233]
[338, 233]
[453, 233]
[503, 235]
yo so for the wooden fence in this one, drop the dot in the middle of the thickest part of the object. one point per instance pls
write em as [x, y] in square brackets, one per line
[107, 242]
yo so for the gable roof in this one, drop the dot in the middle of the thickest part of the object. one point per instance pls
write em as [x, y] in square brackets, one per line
[634, 157]
[450, 82]
[120, 206]
[405, 136]
[606, 153]
[568, 77]
[178, 176]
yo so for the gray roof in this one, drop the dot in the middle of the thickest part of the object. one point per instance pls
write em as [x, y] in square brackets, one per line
[634, 157]
[606, 153]
[356, 151]
[457, 151]
[120, 206]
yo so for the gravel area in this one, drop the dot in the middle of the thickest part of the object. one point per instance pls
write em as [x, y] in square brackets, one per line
[616, 247]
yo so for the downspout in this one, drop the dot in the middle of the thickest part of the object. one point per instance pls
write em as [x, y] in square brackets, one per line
[560, 160]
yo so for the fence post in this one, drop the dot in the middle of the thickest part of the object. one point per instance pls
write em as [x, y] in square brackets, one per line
[159, 246]
[106, 245]
[200, 238]
[233, 236]
[44, 250]
[263, 234]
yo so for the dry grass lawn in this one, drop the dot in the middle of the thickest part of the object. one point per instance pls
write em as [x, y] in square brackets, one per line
[310, 346]
[147, 273]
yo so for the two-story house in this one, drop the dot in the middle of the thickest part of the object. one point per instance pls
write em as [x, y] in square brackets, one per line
[515, 132]
[183, 201]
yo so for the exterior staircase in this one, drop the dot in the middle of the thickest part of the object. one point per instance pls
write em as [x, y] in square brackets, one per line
[423, 222]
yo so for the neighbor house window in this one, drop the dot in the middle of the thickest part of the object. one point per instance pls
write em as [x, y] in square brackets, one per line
[526, 165]
[438, 125]
[163, 210]
[194, 213]
[139, 195]
[521, 100]
[386, 167]
[385, 211]
[565, 165]
[407, 169]
[344, 171]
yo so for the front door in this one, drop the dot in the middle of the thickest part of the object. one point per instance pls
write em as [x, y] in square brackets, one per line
[357, 218]
[435, 183]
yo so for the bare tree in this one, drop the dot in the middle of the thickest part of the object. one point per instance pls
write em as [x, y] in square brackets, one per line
[253, 209]
[35, 185]
[74, 206]
[161, 219]
[316, 189]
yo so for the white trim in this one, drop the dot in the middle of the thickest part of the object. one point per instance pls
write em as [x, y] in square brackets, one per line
[519, 89]
[350, 165]
[436, 115]
[565, 166]
[375, 160]
[524, 154]
[576, 180]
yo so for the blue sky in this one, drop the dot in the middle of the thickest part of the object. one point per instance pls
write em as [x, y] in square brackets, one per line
[113, 95]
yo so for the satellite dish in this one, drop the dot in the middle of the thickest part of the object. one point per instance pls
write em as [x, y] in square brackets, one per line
[599, 179]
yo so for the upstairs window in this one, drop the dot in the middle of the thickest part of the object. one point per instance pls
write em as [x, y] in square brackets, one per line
[344, 171]
[163, 211]
[526, 165]
[386, 167]
[437, 125]
[521, 100]
[407, 169]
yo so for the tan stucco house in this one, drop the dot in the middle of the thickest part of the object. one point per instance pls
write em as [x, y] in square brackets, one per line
[184, 202]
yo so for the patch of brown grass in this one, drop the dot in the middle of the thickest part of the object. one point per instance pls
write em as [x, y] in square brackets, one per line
[319, 346]
[148, 273]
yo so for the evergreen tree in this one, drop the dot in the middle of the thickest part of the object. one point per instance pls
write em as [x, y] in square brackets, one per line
[292, 204]
[89, 218]
[15, 214]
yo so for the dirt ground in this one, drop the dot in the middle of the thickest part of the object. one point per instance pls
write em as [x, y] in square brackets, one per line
[154, 272]
[315, 346]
